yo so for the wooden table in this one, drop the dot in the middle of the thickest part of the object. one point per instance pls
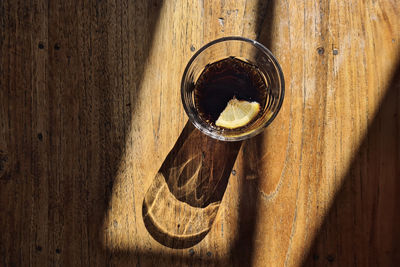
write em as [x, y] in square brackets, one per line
[90, 108]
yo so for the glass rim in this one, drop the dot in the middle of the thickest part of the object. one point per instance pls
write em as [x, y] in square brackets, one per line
[212, 134]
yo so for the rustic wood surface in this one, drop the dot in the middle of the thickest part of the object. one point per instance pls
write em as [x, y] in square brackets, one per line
[90, 109]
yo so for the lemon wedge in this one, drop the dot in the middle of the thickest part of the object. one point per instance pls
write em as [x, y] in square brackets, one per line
[237, 114]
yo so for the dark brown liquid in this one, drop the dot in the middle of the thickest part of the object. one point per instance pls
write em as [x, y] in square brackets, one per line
[224, 80]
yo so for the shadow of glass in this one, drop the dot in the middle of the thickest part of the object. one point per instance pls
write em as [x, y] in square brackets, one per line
[182, 202]
[362, 227]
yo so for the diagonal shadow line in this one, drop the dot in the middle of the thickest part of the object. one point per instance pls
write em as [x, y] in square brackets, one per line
[243, 248]
[145, 18]
[362, 227]
[87, 111]
[105, 64]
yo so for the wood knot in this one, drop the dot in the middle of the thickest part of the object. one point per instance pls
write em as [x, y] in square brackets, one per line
[330, 258]
[315, 256]
[191, 252]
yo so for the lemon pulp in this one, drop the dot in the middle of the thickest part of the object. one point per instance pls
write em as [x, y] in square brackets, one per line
[237, 114]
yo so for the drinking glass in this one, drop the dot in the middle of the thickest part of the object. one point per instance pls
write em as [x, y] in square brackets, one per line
[246, 50]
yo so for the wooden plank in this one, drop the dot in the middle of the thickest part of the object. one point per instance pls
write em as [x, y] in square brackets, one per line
[90, 109]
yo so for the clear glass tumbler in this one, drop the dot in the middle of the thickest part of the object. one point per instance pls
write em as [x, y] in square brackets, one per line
[246, 50]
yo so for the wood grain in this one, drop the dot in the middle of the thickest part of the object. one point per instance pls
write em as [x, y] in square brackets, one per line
[90, 109]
